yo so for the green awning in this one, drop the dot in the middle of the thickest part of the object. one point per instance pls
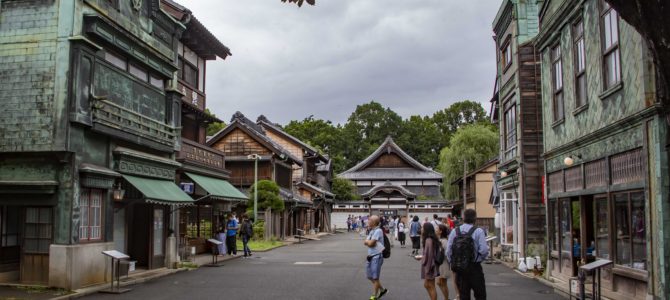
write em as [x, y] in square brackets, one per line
[218, 188]
[159, 191]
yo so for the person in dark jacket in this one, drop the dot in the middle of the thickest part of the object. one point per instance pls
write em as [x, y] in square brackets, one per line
[247, 231]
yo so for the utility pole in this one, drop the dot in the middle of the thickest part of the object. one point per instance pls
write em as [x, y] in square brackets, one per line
[465, 183]
[255, 157]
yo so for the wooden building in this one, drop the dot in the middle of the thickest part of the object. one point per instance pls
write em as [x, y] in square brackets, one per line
[203, 171]
[478, 189]
[605, 149]
[243, 137]
[311, 180]
[390, 181]
[518, 108]
[89, 129]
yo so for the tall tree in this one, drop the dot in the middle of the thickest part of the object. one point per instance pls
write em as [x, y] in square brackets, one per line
[421, 139]
[476, 144]
[457, 115]
[323, 135]
[366, 129]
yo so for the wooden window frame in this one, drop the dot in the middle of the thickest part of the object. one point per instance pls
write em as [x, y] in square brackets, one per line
[126, 69]
[556, 57]
[579, 46]
[39, 226]
[613, 49]
[506, 57]
[90, 212]
[510, 106]
[613, 244]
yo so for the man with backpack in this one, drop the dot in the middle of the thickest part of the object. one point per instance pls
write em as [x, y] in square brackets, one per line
[376, 242]
[466, 249]
[247, 231]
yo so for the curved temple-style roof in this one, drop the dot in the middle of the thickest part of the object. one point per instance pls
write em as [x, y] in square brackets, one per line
[389, 188]
[418, 170]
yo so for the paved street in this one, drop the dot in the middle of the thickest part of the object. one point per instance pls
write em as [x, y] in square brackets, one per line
[328, 269]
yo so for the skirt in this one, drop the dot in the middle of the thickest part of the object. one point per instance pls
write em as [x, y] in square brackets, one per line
[401, 236]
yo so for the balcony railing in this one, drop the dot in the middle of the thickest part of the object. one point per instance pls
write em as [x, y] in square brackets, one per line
[192, 96]
[115, 116]
[192, 152]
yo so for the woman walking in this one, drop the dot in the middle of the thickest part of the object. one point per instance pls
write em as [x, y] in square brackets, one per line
[401, 233]
[415, 235]
[445, 271]
[429, 269]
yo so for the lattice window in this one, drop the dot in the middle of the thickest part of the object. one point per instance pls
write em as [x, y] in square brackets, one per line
[574, 179]
[627, 167]
[595, 173]
[556, 182]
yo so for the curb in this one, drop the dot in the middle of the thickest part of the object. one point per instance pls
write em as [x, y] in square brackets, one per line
[95, 289]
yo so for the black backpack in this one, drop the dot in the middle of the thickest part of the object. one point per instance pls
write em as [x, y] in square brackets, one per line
[439, 254]
[387, 246]
[462, 250]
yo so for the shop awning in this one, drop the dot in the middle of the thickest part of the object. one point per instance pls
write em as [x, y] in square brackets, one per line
[159, 191]
[218, 188]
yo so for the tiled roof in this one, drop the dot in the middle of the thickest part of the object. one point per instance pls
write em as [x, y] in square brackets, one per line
[391, 173]
[255, 131]
[388, 187]
[360, 171]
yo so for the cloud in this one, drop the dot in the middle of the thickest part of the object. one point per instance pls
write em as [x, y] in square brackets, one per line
[415, 57]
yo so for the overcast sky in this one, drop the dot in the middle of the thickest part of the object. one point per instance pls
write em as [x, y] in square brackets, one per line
[288, 63]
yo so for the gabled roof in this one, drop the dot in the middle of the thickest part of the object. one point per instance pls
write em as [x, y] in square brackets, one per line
[389, 146]
[197, 37]
[388, 188]
[267, 125]
[239, 121]
[315, 189]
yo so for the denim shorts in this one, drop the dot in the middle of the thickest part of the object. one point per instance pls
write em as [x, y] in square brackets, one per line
[374, 267]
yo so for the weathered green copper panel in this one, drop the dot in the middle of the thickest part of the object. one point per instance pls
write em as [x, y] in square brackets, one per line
[601, 111]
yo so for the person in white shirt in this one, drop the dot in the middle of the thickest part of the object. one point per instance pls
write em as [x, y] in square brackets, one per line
[436, 221]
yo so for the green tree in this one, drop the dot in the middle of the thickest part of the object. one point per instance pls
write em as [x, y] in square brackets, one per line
[475, 143]
[421, 139]
[457, 115]
[366, 129]
[322, 135]
[344, 189]
[268, 196]
[214, 127]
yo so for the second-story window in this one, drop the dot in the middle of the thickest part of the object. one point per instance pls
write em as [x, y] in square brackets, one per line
[557, 83]
[609, 22]
[134, 69]
[191, 68]
[510, 125]
[580, 64]
[506, 54]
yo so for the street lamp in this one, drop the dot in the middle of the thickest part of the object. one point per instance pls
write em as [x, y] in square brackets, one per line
[255, 157]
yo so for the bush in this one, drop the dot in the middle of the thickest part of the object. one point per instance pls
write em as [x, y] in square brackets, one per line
[259, 230]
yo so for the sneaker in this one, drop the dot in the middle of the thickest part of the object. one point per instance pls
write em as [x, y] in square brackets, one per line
[382, 293]
[373, 297]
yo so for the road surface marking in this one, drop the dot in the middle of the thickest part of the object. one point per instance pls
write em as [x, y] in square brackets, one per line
[308, 262]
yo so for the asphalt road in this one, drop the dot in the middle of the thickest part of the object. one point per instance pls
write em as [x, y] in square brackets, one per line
[332, 268]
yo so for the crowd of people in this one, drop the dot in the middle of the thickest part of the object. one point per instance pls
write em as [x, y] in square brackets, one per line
[444, 248]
